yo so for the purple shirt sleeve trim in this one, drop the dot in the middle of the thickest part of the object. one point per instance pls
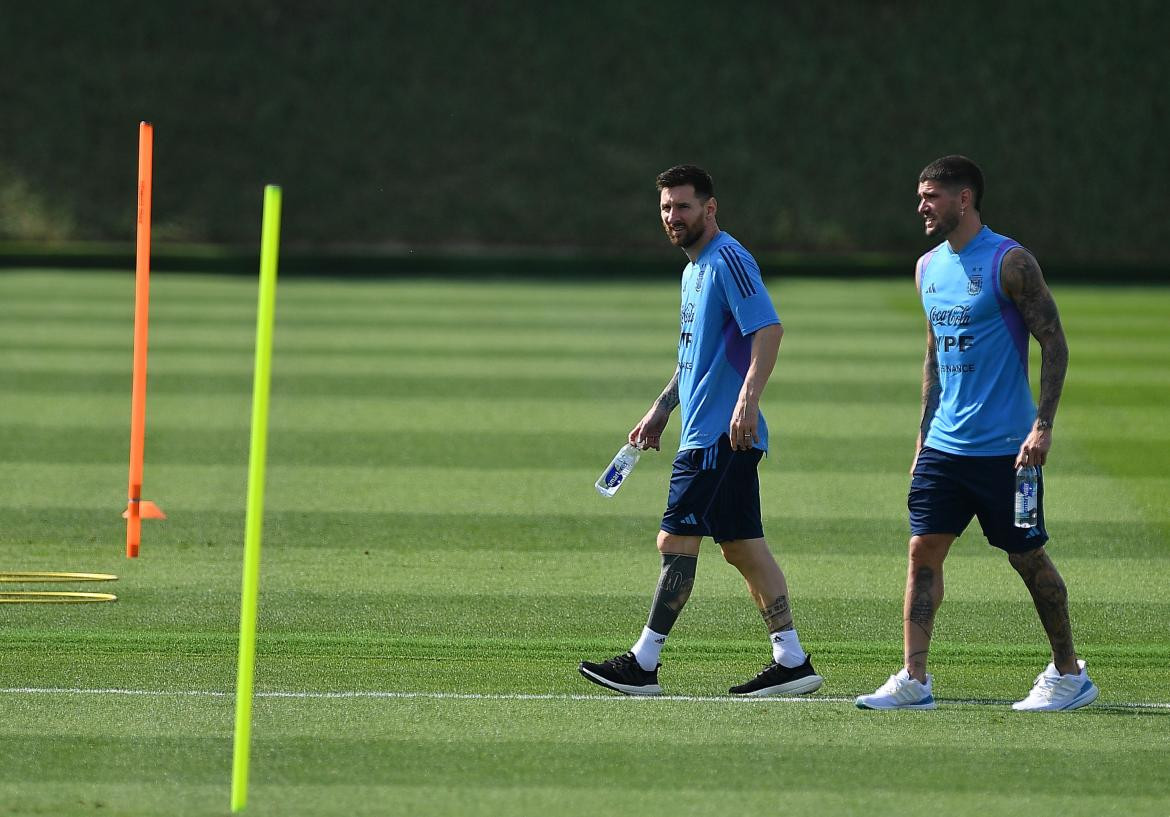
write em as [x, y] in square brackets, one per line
[1012, 318]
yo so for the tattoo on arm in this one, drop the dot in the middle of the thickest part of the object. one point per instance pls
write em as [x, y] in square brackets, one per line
[777, 615]
[1024, 283]
[668, 400]
[931, 388]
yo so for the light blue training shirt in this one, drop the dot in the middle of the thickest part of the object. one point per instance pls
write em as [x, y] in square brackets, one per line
[723, 302]
[986, 406]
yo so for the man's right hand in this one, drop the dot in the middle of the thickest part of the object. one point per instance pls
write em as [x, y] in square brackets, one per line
[648, 432]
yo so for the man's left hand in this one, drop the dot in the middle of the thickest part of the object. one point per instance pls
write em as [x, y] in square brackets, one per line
[1034, 451]
[744, 430]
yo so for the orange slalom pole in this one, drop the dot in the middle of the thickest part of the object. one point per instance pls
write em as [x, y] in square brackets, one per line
[136, 508]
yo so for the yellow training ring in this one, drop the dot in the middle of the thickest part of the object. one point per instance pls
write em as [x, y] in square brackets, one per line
[53, 597]
[22, 576]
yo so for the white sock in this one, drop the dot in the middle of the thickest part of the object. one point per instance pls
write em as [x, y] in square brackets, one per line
[786, 649]
[648, 648]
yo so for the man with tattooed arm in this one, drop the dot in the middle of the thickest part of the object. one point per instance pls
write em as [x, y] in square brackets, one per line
[727, 348]
[983, 294]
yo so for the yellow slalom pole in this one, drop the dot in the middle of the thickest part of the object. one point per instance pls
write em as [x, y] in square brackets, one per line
[254, 517]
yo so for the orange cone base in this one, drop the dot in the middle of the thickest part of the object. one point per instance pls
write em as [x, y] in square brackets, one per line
[147, 510]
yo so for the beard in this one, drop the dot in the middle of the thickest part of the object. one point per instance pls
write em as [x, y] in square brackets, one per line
[944, 225]
[687, 237]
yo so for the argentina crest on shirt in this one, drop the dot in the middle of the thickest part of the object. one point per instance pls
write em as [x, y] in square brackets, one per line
[975, 281]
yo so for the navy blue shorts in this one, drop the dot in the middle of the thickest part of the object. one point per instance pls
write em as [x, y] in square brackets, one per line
[948, 490]
[715, 492]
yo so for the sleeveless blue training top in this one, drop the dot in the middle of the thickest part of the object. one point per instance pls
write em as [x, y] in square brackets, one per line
[986, 406]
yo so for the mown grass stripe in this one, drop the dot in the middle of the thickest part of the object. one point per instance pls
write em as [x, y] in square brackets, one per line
[494, 449]
[483, 696]
[864, 374]
[535, 491]
[82, 533]
[488, 386]
[438, 385]
[840, 421]
[1099, 361]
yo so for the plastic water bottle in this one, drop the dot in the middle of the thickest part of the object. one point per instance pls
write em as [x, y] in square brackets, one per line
[1026, 488]
[613, 476]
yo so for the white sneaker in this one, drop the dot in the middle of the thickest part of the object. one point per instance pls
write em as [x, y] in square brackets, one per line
[900, 692]
[1054, 691]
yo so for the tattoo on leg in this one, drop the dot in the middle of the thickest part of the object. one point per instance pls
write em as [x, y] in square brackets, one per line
[922, 600]
[916, 662]
[778, 615]
[674, 588]
[1050, 596]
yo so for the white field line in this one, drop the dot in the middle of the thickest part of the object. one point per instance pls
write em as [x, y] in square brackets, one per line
[476, 696]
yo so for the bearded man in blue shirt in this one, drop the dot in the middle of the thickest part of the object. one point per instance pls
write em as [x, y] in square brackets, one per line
[983, 296]
[729, 337]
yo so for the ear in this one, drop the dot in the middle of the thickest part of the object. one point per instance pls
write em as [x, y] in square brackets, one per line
[711, 207]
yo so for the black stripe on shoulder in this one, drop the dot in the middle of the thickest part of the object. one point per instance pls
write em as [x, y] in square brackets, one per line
[738, 272]
[742, 262]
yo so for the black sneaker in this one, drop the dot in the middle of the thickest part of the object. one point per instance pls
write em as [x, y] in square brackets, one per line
[622, 674]
[776, 679]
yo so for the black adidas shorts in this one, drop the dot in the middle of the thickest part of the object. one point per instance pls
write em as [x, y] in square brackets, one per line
[715, 492]
[949, 490]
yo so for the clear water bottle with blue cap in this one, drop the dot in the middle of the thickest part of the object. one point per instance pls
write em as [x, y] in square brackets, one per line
[1027, 487]
[623, 463]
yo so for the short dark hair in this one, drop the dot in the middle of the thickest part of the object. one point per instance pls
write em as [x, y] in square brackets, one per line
[688, 174]
[956, 172]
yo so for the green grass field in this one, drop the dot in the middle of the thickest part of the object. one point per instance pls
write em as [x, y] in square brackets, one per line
[436, 561]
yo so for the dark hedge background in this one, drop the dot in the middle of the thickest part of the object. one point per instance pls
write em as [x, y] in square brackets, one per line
[403, 125]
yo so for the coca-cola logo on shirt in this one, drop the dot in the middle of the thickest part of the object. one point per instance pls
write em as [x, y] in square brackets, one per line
[954, 316]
